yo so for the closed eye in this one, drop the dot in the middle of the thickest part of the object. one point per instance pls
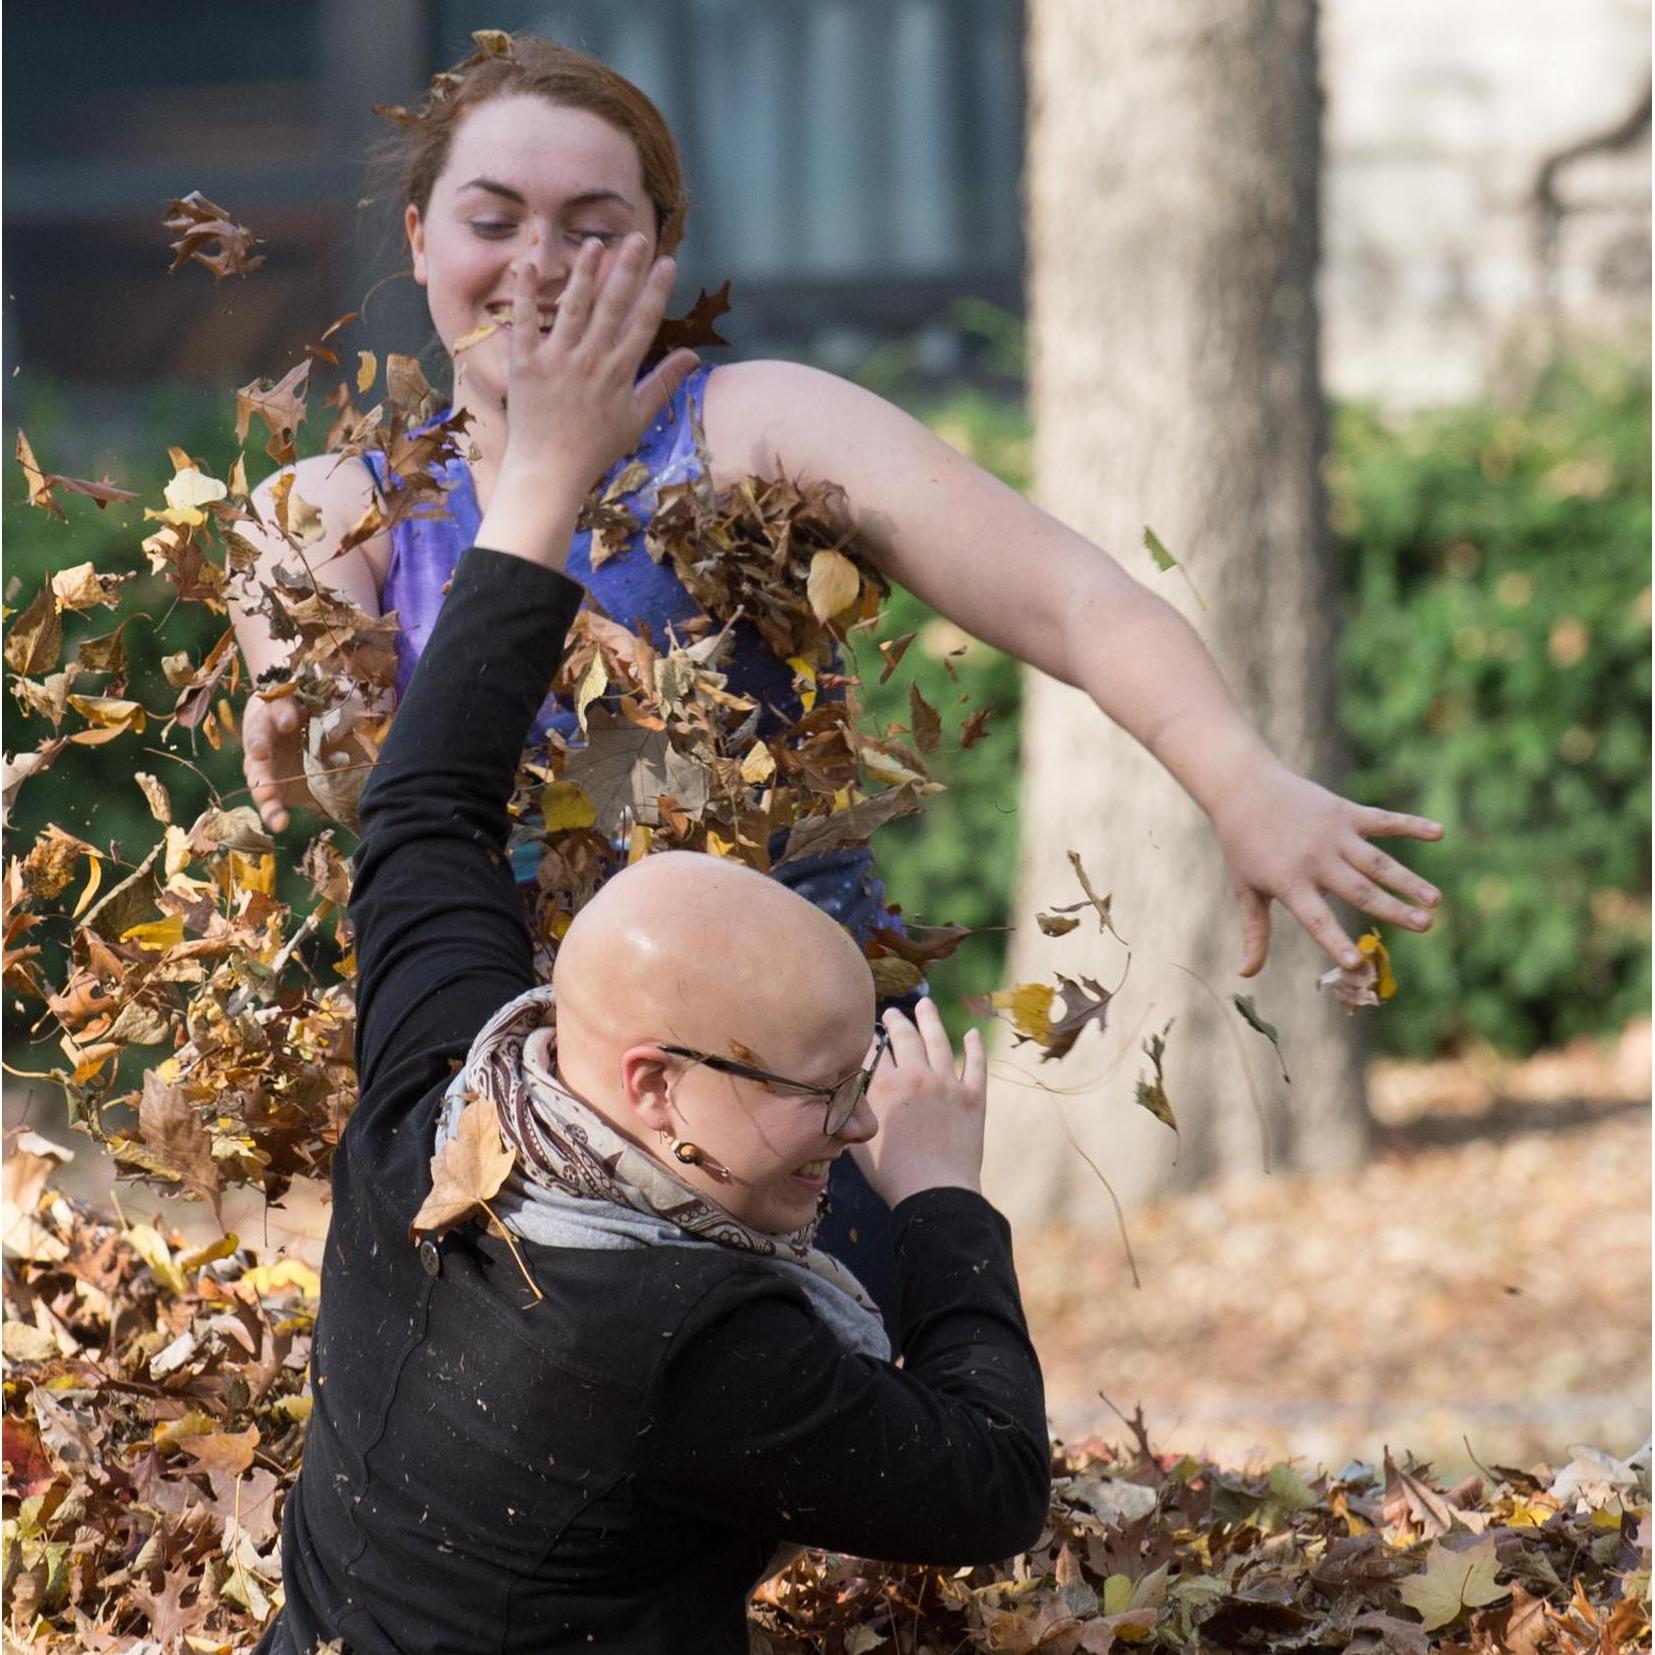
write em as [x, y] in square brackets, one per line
[492, 227]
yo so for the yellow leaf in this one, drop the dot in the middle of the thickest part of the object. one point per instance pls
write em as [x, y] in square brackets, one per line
[1453, 1581]
[594, 681]
[222, 1247]
[189, 490]
[157, 935]
[468, 1170]
[564, 806]
[1373, 948]
[146, 1242]
[367, 370]
[77, 588]
[802, 669]
[883, 768]
[93, 881]
[832, 584]
[296, 1408]
[268, 1279]
[474, 336]
[643, 836]
[1030, 1005]
[176, 1431]
[759, 765]
[107, 712]
[254, 873]
[238, 477]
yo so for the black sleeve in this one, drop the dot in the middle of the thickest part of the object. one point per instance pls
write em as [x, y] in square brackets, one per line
[765, 1423]
[441, 941]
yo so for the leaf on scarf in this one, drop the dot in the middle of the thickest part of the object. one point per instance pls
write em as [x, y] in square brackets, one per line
[467, 1171]
[1250, 1015]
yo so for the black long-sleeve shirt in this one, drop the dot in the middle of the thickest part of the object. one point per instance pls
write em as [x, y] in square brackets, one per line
[613, 1466]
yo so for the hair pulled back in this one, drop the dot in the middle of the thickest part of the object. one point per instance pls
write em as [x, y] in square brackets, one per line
[523, 64]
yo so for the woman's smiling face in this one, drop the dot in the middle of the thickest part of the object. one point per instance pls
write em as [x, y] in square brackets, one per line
[525, 179]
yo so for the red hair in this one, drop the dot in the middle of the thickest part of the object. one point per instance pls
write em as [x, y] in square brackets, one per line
[522, 64]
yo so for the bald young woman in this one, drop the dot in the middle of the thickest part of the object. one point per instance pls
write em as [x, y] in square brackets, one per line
[616, 1463]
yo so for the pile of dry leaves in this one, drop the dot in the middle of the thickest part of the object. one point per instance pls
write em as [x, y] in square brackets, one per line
[155, 1402]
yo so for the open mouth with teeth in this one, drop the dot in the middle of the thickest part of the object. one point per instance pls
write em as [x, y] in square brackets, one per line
[500, 314]
[813, 1172]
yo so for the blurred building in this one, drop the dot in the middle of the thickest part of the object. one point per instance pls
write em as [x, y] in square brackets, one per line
[853, 167]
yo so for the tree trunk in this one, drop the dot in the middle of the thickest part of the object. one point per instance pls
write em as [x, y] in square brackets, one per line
[1172, 179]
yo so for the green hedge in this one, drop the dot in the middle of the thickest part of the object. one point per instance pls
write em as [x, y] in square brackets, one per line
[1494, 577]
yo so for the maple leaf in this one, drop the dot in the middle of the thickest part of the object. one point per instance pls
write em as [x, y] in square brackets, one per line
[200, 223]
[1452, 1582]
[467, 1172]
[692, 330]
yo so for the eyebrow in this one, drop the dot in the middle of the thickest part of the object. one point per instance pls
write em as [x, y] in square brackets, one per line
[587, 198]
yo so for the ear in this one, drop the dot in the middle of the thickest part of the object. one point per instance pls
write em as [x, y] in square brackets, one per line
[645, 1087]
[414, 228]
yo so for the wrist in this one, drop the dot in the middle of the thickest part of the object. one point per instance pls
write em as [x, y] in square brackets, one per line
[532, 516]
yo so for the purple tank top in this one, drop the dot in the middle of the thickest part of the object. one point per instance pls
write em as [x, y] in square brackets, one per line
[629, 587]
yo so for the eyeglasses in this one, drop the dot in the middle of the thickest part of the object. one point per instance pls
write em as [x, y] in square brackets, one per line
[841, 1098]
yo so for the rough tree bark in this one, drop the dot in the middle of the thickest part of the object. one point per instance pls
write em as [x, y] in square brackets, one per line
[1172, 183]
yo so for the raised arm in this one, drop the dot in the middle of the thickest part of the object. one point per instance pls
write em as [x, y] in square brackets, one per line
[441, 940]
[1015, 577]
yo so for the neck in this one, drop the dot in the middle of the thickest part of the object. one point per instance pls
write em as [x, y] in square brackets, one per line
[486, 433]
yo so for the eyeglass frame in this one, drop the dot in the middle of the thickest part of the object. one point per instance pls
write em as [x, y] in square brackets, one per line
[855, 1086]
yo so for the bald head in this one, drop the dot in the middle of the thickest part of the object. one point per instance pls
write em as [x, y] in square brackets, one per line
[696, 951]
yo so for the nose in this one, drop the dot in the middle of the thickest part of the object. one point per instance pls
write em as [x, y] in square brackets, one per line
[862, 1125]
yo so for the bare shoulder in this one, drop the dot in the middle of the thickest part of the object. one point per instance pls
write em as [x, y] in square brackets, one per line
[768, 414]
[341, 490]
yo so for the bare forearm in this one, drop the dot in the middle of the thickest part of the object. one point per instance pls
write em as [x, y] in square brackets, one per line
[1148, 671]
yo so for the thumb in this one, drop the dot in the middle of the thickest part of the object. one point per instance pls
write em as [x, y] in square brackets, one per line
[657, 388]
[1255, 929]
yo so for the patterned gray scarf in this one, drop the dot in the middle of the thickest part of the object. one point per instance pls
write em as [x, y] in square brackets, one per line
[578, 1182]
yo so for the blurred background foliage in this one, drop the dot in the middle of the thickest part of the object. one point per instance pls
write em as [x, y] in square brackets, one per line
[1495, 672]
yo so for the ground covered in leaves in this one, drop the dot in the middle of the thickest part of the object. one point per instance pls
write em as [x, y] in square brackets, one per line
[1482, 1288]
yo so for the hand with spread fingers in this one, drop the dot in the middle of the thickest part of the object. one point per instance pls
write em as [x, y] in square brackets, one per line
[574, 401]
[931, 1115]
[1288, 840]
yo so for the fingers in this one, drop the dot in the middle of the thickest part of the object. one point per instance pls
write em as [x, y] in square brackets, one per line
[939, 1052]
[1386, 870]
[658, 387]
[1255, 930]
[265, 726]
[1310, 909]
[574, 308]
[907, 1049]
[1393, 824]
[614, 303]
[974, 1071]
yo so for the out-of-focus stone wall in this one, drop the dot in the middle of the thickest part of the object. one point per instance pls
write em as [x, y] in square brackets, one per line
[1440, 116]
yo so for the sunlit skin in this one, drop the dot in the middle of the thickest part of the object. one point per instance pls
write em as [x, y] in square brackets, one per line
[693, 951]
[934, 521]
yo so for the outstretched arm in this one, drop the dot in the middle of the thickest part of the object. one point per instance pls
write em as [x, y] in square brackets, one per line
[1015, 577]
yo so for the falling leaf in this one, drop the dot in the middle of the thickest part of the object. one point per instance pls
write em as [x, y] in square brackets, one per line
[189, 490]
[833, 584]
[1056, 925]
[468, 1170]
[171, 1129]
[367, 371]
[759, 765]
[974, 727]
[694, 329]
[894, 977]
[1164, 560]
[1369, 982]
[924, 721]
[281, 406]
[81, 588]
[200, 223]
[1250, 1015]
[892, 651]
[853, 825]
[1151, 1091]
[156, 936]
[109, 713]
[35, 638]
[1452, 1582]
[155, 796]
[43, 483]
